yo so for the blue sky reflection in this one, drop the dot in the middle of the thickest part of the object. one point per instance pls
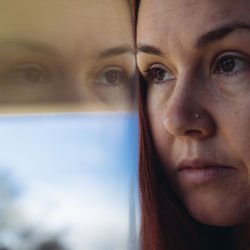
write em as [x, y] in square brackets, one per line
[72, 173]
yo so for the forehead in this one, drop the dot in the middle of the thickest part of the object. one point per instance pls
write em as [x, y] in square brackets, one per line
[72, 22]
[67, 11]
[187, 19]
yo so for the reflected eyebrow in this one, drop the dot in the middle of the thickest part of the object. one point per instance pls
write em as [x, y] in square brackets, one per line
[40, 47]
[219, 33]
[149, 50]
[34, 46]
[117, 51]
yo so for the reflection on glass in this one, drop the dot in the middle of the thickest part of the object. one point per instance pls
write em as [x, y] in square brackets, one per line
[76, 55]
[67, 184]
[67, 181]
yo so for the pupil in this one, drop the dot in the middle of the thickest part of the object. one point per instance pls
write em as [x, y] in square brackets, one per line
[160, 74]
[33, 75]
[227, 64]
[111, 77]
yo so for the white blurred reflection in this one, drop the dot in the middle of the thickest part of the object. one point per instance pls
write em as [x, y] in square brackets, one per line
[69, 182]
[61, 55]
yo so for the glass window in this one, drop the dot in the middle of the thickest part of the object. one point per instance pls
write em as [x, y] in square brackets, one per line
[68, 126]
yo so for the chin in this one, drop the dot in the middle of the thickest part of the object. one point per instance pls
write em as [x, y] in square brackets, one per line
[218, 212]
[217, 220]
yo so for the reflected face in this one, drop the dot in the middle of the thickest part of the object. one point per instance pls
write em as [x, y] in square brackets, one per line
[67, 51]
[195, 58]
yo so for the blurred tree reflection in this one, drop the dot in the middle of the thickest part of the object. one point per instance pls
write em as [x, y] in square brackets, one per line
[8, 192]
[50, 245]
[15, 232]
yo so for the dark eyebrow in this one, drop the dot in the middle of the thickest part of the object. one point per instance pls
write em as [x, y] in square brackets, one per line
[149, 50]
[116, 51]
[220, 33]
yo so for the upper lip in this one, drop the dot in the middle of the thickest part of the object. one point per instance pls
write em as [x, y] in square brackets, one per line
[199, 163]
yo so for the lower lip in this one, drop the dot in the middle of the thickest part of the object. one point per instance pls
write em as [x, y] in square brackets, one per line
[204, 175]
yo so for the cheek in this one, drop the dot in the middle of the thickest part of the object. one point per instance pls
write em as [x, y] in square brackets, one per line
[162, 140]
[235, 129]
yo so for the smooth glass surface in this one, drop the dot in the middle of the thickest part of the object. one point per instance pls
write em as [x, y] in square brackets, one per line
[68, 126]
[69, 180]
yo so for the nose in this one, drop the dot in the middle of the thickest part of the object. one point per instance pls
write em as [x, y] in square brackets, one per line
[187, 114]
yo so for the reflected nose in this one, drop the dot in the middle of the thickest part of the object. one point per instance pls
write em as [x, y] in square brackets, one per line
[187, 116]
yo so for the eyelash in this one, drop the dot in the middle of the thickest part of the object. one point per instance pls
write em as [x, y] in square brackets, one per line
[237, 58]
[121, 77]
[29, 74]
[158, 68]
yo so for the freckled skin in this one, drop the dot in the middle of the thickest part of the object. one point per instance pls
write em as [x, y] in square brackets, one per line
[221, 133]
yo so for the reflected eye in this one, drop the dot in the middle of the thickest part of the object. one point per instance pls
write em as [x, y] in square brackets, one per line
[231, 65]
[159, 75]
[111, 76]
[29, 74]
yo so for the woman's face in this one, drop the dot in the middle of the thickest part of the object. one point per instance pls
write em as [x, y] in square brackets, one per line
[195, 58]
[66, 51]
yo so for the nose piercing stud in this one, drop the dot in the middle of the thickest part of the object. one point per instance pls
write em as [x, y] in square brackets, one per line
[197, 116]
[165, 123]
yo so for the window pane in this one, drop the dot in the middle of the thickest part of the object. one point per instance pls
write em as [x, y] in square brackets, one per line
[68, 126]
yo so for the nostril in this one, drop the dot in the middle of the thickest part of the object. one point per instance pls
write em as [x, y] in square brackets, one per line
[193, 132]
[179, 122]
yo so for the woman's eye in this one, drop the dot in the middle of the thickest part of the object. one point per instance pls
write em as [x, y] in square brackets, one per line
[231, 65]
[159, 75]
[29, 74]
[111, 76]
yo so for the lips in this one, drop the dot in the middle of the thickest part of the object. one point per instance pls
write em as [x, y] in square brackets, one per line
[201, 171]
[199, 164]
